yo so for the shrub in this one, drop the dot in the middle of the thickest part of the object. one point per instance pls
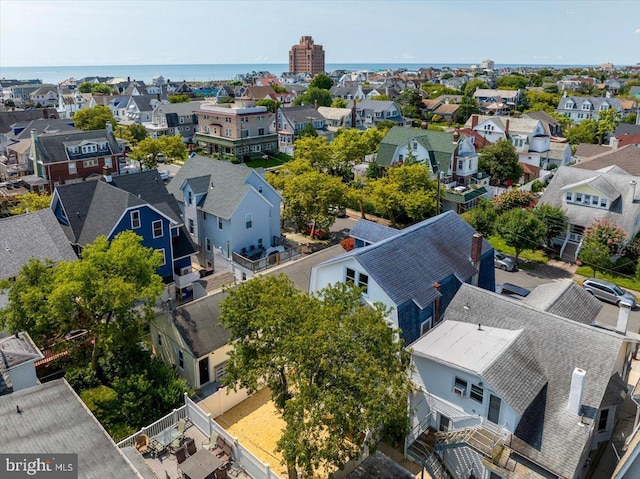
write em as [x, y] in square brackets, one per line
[82, 378]
[537, 186]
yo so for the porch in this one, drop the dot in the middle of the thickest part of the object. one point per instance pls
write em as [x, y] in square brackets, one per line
[570, 243]
[258, 259]
[200, 427]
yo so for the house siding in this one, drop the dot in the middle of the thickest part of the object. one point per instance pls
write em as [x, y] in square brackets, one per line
[243, 237]
[172, 342]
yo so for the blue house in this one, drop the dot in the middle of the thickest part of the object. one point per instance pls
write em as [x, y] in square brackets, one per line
[415, 272]
[138, 202]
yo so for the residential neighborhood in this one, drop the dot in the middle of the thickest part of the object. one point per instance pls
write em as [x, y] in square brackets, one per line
[313, 269]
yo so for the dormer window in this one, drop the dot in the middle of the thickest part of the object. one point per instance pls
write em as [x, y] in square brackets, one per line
[568, 105]
[604, 106]
[586, 106]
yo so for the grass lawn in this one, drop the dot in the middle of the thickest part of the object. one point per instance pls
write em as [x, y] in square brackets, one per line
[268, 163]
[537, 256]
[622, 281]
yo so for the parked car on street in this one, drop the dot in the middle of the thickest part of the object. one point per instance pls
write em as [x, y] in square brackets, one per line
[502, 261]
[607, 291]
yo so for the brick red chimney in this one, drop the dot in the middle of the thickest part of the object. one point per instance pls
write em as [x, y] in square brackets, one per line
[476, 253]
[436, 306]
[474, 121]
[506, 128]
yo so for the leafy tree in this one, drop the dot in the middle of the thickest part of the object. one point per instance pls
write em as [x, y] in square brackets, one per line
[521, 230]
[308, 130]
[147, 151]
[513, 82]
[482, 218]
[94, 118]
[373, 170]
[595, 255]
[85, 87]
[179, 99]
[270, 103]
[500, 160]
[472, 85]
[339, 103]
[101, 88]
[302, 347]
[608, 234]
[133, 133]
[607, 122]
[309, 196]
[30, 202]
[541, 101]
[98, 293]
[511, 199]
[411, 103]
[322, 81]
[385, 125]
[381, 97]
[313, 94]
[468, 106]
[316, 151]
[348, 149]
[630, 118]
[357, 196]
[372, 138]
[585, 132]
[279, 89]
[554, 218]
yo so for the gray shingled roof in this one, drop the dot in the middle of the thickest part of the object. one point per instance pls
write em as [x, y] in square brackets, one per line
[566, 299]
[626, 157]
[621, 212]
[9, 118]
[15, 350]
[371, 232]
[54, 420]
[407, 265]
[33, 235]
[51, 147]
[227, 184]
[558, 345]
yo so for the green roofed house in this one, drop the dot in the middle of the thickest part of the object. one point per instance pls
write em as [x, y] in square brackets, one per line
[452, 155]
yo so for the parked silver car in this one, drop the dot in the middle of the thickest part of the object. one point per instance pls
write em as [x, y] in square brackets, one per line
[607, 291]
[500, 260]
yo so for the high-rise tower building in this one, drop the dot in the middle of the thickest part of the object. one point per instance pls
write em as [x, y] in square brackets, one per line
[306, 57]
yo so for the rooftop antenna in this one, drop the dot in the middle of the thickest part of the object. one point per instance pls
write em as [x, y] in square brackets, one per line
[479, 327]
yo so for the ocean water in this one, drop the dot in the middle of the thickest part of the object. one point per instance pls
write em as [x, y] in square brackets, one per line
[217, 72]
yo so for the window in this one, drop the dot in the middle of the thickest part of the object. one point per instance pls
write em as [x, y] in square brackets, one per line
[219, 223]
[460, 387]
[363, 282]
[260, 131]
[248, 220]
[107, 162]
[159, 339]
[191, 226]
[259, 188]
[189, 198]
[586, 106]
[204, 215]
[568, 105]
[164, 257]
[578, 198]
[351, 276]
[602, 422]
[72, 168]
[182, 119]
[227, 132]
[603, 203]
[425, 326]
[604, 106]
[220, 370]
[135, 219]
[445, 423]
[227, 120]
[260, 242]
[207, 244]
[157, 228]
[90, 163]
[477, 393]
[181, 360]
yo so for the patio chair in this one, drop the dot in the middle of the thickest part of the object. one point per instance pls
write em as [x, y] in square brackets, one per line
[181, 455]
[181, 426]
[191, 447]
[175, 445]
[220, 473]
[142, 444]
[211, 442]
[225, 455]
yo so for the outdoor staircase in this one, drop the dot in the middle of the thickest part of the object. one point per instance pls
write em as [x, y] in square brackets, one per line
[570, 252]
[423, 450]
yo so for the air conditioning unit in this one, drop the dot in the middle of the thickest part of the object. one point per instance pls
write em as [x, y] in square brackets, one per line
[458, 391]
[185, 270]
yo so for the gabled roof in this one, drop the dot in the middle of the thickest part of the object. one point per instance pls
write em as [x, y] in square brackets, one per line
[301, 114]
[566, 299]
[598, 183]
[33, 235]
[626, 157]
[621, 212]
[587, 150]
[407, 265]
[8, 118]
[331, 113]
[557, 346]
[51, 148]
[15, 350]
[371, 232]
[227, 184]
[542, 116]
[596, 101]
[46, 125]
[55, 420]
[505, 94]
[439, 144]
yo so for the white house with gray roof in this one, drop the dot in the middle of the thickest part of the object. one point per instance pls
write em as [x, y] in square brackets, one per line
[580, 108]
[227, 208]
[514, 391]
[373, 112]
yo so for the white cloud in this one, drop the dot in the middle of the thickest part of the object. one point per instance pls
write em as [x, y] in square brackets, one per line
[638, 31]
[408, 56]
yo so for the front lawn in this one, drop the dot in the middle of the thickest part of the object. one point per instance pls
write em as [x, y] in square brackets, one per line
[278, 159]
[537, 256]
[625, 282]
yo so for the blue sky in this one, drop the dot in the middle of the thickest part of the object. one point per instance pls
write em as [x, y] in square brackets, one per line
[119, 32]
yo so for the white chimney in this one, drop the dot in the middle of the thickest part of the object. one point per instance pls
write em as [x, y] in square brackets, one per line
[614, 142]
[632, 185]
[623, 317]
[575, 393]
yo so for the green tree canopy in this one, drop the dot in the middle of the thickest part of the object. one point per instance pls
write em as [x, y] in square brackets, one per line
[348, 149]
[607, 122]
[322, 81]
[482, 218]
[472, 85]
[308, 130]
[270, 103]
[179, 99]
[147, 151]
[313, 94]
[514, 198]
[303, 348]
[101, 88]
[554, 218]
[316, 151]
[521, 230]
[500, 160]
[94, 118]
[339, 103]
[98, 293]
[85, 87]
[133, 133]
[279, 89]
[513, 82]
[585, 132]
[30, 202]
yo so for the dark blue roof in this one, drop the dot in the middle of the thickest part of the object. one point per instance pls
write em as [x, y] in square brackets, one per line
[407, 265]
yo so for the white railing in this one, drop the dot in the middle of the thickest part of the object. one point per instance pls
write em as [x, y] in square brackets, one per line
[160, 425]
[182, 281]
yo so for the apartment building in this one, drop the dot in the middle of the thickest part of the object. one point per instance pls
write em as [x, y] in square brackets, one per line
[306, 57]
